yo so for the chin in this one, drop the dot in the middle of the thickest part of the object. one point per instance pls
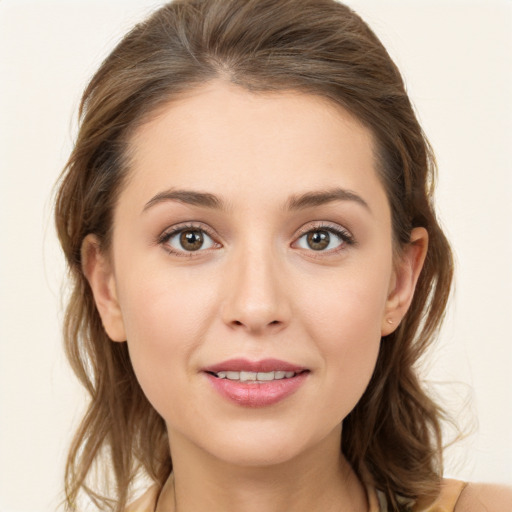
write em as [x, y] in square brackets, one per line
[263, 453]
[263, 445]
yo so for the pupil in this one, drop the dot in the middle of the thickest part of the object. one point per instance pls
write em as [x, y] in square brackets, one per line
[191, 240]
[318, 240]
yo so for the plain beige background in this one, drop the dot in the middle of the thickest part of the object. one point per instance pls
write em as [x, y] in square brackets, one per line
[455, 56]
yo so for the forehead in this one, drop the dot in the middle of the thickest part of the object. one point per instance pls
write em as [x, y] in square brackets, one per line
[229, 141]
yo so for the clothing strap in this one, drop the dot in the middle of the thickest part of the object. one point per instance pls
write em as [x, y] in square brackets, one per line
[450, 494]
[446, 501]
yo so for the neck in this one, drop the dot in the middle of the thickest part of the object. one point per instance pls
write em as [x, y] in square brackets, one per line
[320, 479]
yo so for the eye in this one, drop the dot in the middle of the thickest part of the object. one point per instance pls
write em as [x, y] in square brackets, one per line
[324, 239]
[188, 240]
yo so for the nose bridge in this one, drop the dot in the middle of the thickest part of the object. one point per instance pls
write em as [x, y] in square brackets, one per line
[256, 299]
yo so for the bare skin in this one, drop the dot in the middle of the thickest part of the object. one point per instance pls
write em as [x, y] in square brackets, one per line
[254, 289]
[478, 497]
[284, 486]
[254, 181]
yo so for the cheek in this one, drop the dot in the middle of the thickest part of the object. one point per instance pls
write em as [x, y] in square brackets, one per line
[165, 322]
[346, 307]
[345, 320]
[160, 303]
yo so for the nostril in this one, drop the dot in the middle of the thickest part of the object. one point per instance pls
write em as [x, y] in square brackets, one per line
[239, 323]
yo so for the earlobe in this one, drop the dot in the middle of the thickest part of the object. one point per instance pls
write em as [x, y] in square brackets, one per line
[97, 269]
[404, 279]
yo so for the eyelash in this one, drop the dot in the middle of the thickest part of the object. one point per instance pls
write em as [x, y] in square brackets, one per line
[344, 235]
[167, 235]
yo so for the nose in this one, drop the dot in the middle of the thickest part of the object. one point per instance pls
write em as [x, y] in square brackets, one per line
[256, 300]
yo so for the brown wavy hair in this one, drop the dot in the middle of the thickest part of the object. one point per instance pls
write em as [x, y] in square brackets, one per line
[319, 47]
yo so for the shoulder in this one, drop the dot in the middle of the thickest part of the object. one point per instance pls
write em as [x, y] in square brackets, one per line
[485, 498]
[146, 503]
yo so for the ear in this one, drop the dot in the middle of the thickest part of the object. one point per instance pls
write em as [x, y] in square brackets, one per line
[404, 279]
[97, 268]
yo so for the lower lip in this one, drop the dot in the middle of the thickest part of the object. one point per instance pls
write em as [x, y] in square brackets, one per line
[257, 394]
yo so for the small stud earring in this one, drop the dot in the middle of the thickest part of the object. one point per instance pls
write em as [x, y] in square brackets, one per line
[389, 320]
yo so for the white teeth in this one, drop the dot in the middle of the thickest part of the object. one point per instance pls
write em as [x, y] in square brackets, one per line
[245, 376]
[255, 376]
[265, 376]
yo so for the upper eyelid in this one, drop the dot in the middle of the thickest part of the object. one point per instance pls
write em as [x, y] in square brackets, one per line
[169, 233]
[318, 225]
[175, 229]
[345, 236]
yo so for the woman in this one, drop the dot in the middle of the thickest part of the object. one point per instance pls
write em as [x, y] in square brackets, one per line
[257, 266]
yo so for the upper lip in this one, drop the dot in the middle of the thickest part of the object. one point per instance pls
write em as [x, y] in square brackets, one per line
[245, 365]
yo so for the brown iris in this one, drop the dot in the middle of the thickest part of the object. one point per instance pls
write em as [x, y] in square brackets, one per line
[191, 240]
[318, 240]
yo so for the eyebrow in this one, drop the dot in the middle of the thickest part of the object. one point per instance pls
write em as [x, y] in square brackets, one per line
[296, 202]
[192, 197]
[311, 199]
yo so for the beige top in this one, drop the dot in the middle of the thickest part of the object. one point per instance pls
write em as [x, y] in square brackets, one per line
[450, 492]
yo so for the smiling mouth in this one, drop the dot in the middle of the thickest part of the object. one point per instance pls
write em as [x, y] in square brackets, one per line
[256, 377]
[250, 383]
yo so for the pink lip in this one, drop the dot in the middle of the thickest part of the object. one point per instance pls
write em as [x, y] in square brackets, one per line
[256, 394]
[265, 365]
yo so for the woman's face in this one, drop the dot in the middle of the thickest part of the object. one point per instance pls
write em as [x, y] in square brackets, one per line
[251, 271]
